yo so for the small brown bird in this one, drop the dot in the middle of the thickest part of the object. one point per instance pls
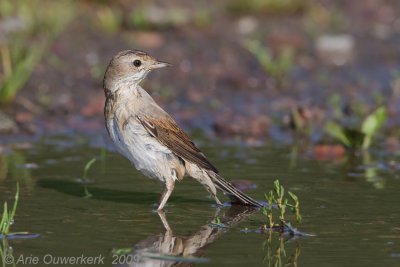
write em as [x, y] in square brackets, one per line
[193, 245]
[145, 134]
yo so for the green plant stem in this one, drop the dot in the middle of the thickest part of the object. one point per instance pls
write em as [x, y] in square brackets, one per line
[276, 197]
[87, 167]
[6, 61]
[21, 73]
[8, 217]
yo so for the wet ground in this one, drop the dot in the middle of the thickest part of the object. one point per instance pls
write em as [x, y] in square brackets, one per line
[215, 79]
[352, 213]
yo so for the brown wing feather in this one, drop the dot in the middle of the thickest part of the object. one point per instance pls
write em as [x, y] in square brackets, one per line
[168, 133]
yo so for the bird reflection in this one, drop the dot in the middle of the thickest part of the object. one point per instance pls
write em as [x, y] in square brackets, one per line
[170, 250]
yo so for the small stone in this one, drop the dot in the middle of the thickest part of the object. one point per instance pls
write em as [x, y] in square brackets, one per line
[324, 152]
[28, 166]
[92, 58]
[392, 144]
[251, 127]
[335, 49]
[24, 117]
[247, 25]
[185, 66]
[7, 125]
[12, 24]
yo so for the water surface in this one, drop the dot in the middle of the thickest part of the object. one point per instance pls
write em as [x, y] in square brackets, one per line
[350, 205]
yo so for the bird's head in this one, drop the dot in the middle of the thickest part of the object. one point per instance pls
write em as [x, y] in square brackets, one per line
[130, 67]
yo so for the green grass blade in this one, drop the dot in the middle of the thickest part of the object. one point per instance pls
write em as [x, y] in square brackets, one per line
[337, 132]
[87, 167]
[293, 196]
[8, 217]
[372, 124]
[14, 209]
[21, 73]
[4, 220]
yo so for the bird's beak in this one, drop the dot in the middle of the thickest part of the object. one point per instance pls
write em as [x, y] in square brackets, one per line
[159, 64]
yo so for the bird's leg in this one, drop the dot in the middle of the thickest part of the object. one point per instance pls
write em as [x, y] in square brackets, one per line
[169, 187]
[217, 201]
[208, 184]
[164, 221]
[210, 187]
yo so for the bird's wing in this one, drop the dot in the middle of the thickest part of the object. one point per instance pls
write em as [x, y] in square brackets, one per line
[167, 132]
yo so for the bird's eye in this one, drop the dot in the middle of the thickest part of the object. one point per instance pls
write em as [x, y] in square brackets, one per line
[137, 63]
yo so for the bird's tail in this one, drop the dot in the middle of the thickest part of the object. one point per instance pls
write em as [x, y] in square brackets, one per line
[231, 191]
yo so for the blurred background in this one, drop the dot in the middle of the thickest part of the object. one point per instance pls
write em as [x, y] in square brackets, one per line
[256, 71]
[305, 91]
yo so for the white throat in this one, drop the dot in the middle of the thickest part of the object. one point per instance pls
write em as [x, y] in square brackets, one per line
[127, 87]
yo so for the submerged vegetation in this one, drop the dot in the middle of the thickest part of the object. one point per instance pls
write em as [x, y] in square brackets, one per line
[216, 223]
[278, 255]
[88, 165]
[6, 253]
[85, 180]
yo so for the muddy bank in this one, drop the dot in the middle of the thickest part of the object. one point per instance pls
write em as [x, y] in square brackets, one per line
[217, 85]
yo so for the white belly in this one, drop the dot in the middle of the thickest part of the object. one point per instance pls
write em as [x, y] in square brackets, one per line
[148, 155]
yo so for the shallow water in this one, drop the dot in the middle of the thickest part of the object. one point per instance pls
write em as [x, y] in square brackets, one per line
[351, 207]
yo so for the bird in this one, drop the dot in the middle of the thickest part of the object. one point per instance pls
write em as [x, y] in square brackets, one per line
[149, 137]
[185, 247]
